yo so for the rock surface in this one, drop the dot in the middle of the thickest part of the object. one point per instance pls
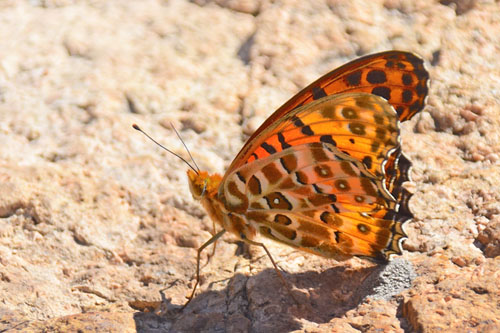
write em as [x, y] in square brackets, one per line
[95, 220]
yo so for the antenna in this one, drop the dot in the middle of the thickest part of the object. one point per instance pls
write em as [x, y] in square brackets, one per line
[191, 156]
[171, 152]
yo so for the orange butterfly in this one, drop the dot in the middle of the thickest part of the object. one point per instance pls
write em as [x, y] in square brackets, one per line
[324, 173]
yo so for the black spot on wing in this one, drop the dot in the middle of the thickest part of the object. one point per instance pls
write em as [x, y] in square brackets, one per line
[400, 109]
[281, 139]
[267, 147]
[415, 106]
[328, 139]
[297, 122]
[422, 90]
[367, 161]
[306, 130]
[335, 208]
[384, 92]
[407, 79]
[354, 79]
[407, 96]
[318, 93]
[376, 76]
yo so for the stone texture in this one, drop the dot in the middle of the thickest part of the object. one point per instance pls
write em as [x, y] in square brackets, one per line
[95, 220]
[446, 299]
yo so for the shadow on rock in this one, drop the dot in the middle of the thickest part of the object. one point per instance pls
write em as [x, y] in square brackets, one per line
[262, 303]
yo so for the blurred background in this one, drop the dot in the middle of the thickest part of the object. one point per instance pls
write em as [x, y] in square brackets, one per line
[95, 220]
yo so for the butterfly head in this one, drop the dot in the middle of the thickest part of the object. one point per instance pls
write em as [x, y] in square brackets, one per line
[202, 184]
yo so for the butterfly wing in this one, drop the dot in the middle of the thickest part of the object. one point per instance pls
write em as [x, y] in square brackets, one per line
[399, 77]
[323, 192]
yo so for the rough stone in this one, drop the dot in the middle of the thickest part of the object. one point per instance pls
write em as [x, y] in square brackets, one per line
[96, 222]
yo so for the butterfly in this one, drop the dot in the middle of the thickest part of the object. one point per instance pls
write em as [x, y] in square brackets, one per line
[324, 172]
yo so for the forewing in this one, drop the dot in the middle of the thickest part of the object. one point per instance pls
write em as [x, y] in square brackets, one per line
[397, 76]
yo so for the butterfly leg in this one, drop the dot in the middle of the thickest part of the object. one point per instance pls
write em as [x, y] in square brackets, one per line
[207, 243]
[215, 242]
[275, 267]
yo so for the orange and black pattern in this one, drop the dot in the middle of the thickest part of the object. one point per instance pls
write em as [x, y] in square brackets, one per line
[324, 173]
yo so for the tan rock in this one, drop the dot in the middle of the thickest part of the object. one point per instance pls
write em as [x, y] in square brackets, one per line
[95, 220]
[454, 299]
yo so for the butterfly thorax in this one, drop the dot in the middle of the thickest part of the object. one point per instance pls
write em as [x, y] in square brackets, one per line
[205, 188]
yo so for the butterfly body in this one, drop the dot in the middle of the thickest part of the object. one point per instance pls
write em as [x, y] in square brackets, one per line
[205, 188]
